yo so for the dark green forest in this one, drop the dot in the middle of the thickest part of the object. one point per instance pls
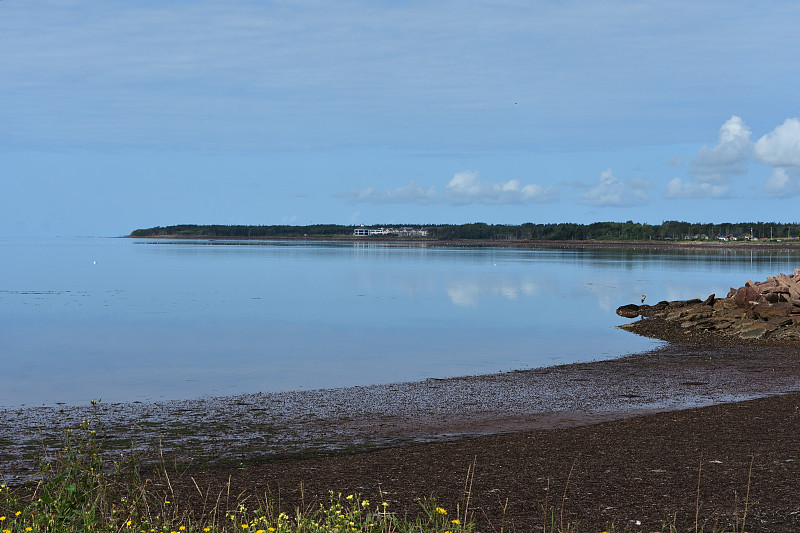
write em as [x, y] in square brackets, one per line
[609, 231]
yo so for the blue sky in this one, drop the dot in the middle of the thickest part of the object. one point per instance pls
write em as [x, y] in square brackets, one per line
[119, 115]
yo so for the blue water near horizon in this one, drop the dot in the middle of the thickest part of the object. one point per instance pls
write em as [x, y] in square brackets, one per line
[139, 320]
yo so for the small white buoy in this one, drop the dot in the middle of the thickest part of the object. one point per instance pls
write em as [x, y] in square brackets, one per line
[94, 262]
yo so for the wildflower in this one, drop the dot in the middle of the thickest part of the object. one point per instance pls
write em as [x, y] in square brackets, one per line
[349, 498]
[385, 504]
[245, 526]
[182, 528]
[455, 521]
[441, 511]
[18, 513]
[2, 518]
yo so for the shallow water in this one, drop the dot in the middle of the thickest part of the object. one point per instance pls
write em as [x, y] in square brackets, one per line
[138, 320]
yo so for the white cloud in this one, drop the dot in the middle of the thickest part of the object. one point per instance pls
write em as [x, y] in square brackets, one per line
[411, 193]
[781, 146]
[727, 157]
[780, 149]
[677, 188]
[613, 192]
[783, 183]
[465, 188]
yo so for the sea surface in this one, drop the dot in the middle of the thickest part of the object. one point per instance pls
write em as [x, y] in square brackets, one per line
[150, 320]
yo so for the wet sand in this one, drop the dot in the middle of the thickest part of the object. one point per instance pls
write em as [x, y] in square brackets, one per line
[253, 427]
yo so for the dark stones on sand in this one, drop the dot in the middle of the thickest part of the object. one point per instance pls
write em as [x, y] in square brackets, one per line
[762, 310]
[629, 311]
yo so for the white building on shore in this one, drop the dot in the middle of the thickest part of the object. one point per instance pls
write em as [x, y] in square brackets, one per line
[363, 231]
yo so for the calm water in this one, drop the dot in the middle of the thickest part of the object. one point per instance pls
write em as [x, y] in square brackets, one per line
[128, 320]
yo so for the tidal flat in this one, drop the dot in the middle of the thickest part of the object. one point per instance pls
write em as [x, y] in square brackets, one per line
[251, 428]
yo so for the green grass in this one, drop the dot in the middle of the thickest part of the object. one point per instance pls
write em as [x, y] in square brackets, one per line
[78, 491]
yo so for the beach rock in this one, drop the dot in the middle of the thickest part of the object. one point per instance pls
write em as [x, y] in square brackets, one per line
[753, 332]
[757, 310]
[628, 311]
[768, 310]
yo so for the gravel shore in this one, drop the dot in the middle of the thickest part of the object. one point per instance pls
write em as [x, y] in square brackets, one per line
[619, 433]
[253, 427]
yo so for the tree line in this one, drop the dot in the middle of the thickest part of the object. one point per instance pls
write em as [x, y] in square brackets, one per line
[609, 231]
[617, 231]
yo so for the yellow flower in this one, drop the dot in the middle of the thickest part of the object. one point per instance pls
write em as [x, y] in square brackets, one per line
[206, 529]
[441, 511]
[365, 503]
[18, 513]
[29, 528]
[182, 528]
[270, 529]
[2, 518]
[245, 526]
[455, 521]
[350, 497]
[6, 531]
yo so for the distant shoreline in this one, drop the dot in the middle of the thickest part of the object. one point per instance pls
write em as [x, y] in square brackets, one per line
[507, 243]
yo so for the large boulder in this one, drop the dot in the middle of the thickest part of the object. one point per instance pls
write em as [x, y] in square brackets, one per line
[628, 311]
[756, 310]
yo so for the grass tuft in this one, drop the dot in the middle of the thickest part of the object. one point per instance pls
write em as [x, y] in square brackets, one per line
[78, 491]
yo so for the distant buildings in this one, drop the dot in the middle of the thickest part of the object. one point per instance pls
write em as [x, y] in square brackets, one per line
[363, 231]
[741, 237]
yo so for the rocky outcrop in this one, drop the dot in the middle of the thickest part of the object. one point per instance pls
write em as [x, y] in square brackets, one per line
[762, 310]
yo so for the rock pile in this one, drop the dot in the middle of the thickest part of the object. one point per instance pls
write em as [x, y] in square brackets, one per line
[762, 310]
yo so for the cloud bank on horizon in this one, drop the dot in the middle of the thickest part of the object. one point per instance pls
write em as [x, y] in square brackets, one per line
[711, 172]
[153, 113]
